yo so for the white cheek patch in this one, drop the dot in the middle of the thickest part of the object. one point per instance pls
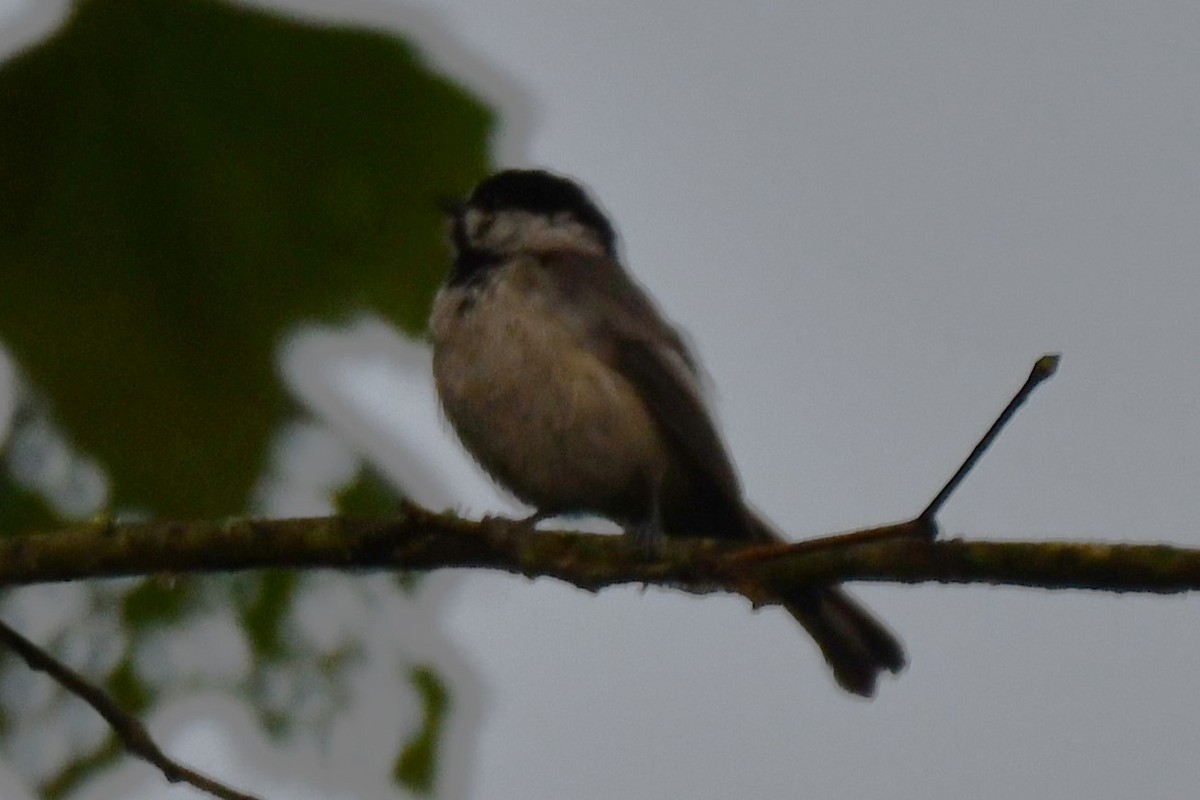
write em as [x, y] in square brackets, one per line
[511, 230]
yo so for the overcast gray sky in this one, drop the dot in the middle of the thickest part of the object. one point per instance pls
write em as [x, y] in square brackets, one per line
[871, 218]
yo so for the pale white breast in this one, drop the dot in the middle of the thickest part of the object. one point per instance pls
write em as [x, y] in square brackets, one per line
[544, 415]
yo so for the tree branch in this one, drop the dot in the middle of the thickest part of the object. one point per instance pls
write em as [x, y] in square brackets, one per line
[421, 540]
[129, 730]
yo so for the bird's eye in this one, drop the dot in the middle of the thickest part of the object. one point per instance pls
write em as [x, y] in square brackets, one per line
[483, 223]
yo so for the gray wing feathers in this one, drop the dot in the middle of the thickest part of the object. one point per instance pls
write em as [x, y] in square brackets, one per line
[621, 321]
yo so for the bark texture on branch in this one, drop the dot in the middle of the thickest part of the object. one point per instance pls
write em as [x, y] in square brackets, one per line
[422, 540]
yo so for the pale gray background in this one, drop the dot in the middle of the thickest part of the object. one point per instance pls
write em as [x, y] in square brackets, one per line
[871, 217]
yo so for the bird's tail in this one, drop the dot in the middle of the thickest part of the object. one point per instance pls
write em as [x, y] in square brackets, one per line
[855, 644]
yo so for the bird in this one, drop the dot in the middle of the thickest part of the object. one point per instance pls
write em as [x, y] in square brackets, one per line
[568, 385]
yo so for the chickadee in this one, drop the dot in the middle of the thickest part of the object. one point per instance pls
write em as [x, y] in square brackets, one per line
[572, 390]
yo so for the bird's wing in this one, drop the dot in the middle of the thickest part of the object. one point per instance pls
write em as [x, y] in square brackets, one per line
[620, 321]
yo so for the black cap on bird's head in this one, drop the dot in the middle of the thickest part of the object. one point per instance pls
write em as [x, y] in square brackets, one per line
[537, 192]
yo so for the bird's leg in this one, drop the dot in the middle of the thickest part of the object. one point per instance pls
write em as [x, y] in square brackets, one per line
[648, 533]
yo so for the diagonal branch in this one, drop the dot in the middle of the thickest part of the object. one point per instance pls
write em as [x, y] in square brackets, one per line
[129, 730]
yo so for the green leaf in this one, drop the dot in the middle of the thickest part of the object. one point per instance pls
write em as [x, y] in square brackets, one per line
[368, 495]
[265, 618]
[22, 511]
[157, 602]
[185, 181]
[77, 772]
[416, 767]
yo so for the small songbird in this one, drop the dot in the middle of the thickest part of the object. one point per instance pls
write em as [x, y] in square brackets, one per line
[568, 385]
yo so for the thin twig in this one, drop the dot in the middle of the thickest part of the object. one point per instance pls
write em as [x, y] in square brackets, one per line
[924, 525]
[129, 729]
[917, 529]
[1043, 369]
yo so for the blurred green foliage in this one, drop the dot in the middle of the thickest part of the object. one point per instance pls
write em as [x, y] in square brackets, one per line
[22, 509]
[370, 495]
[416, 767]
[184, 182]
